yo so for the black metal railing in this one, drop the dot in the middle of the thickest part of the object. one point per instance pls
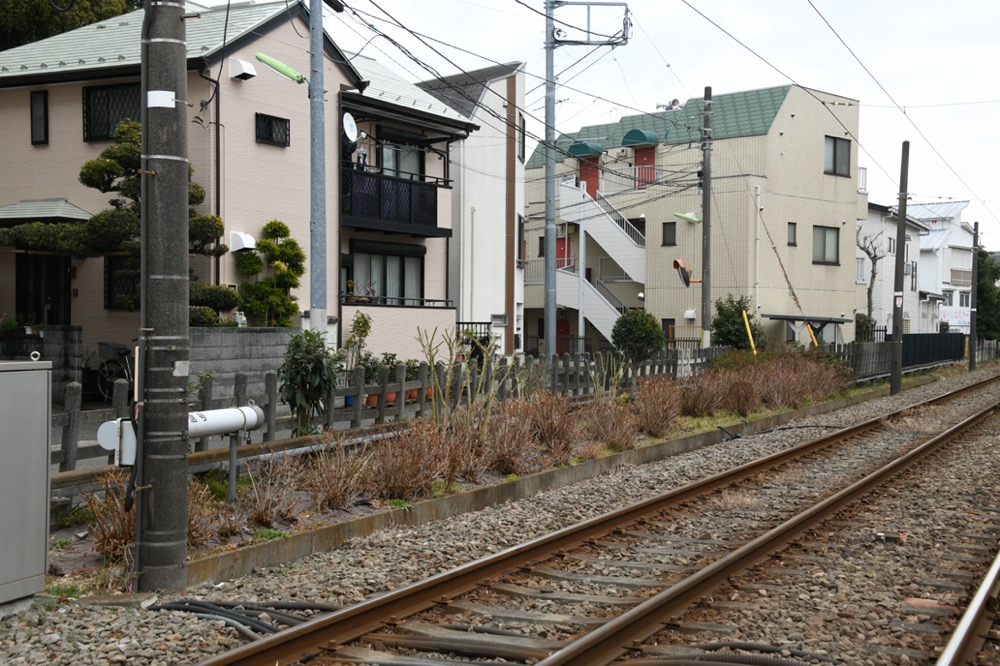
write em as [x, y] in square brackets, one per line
[374, 197]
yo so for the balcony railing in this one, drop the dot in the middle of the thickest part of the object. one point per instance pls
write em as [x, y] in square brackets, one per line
[372, 200]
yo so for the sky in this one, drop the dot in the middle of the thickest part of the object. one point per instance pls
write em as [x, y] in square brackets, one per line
[923, 71]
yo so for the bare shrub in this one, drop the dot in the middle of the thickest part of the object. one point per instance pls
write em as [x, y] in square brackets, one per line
[590, 450]
[741, 391]
[657, 405]
[230, 520]
[701, 395]
[269, 497]
[511, 448]
[553, 422]
[201, 514]
[464, 447]
[612, 424]
[404, 465]
[334, 475]
[114, 527]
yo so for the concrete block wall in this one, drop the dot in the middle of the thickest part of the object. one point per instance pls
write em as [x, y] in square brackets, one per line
[223, 352]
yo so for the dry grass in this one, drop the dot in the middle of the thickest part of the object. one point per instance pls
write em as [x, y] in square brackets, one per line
[612, 424]
[657, 405]
[114, 527]
[512, 448]
[269, 497]
[203, 512]
[334, 475]
[554, 424]
[403, 466]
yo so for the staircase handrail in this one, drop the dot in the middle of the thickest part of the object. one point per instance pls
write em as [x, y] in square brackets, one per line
[609, 208]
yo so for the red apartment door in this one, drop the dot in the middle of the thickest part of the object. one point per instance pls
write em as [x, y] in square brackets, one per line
[645, 166]
[562, 252]
[562, 336]
[589, 175]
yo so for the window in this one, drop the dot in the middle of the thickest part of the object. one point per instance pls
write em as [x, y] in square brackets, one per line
[39, 117]
[964, 299]
[826, 245]
[668, 328]
[837, 157]
[670, 233]
[792, 234]
[541, 246]
[892, 245]
[106, 106]
[949, 297]
[402, 160]
[121, 283]
[273, 130]
[390, 273]
[861, 275]
[520, 136]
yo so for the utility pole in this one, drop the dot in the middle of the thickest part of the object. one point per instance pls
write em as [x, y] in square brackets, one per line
[162, 472]
[706, 222]
[896, 366]
[317, 172]
[549, 313]
[972, 298]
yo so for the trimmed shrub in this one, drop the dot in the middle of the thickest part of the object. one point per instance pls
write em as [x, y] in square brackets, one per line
[638, 335]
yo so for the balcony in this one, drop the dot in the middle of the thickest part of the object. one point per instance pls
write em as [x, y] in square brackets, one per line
[373, 201]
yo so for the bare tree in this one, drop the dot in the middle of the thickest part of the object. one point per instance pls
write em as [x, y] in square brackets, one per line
[872, 247]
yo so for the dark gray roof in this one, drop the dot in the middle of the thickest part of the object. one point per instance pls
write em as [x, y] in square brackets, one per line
[464, 91]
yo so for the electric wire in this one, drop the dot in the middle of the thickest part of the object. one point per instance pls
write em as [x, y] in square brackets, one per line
[898, 106]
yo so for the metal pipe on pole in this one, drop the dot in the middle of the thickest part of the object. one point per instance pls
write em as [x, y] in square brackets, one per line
[162, 477]
[896, 364]
[706, 222]
[549, 316]
[973, 297]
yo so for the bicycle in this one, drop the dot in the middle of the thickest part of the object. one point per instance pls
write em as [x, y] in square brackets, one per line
[117, 364]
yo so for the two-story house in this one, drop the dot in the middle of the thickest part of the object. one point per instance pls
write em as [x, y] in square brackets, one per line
[486, 276]
[388, 190]
[945, 268]
[785, 196]
[876, 253]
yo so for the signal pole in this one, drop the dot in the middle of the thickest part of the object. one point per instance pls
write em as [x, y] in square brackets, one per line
[972, 297]
[896, 365]
[162, 467]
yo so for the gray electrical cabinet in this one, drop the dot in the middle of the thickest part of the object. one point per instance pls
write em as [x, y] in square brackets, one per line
[25, 420]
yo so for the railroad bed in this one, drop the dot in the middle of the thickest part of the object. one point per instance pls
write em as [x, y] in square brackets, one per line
[89, 634]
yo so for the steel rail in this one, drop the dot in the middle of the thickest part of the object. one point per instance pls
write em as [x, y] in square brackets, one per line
[969, 636]
[613, 640]
[355, 621]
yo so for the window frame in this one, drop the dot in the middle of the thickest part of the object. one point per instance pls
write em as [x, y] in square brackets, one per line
[793, 234]
[93, 105]
[669, 234]
[272, 130]
[401, 251]
[39, 125]
[837, 156]
[521, 136]
[965, 299]
[825, 260]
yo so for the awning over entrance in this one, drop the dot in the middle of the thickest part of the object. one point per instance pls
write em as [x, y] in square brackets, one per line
[585, 149]
[640, 137]
[816, 321]
[931, 296]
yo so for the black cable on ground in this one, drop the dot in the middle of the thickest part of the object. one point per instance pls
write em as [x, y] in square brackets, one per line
[211, 610]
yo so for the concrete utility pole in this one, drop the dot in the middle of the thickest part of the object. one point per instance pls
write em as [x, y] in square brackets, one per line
[550, 153]
[317, 172]
[972, 297]
[706, 223]
[162, 474]
[896, 366]
[549, 313]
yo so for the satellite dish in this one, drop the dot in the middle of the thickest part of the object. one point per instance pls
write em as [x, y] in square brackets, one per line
[350, 128]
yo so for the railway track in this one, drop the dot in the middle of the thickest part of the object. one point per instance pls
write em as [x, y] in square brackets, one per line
[593, 592]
